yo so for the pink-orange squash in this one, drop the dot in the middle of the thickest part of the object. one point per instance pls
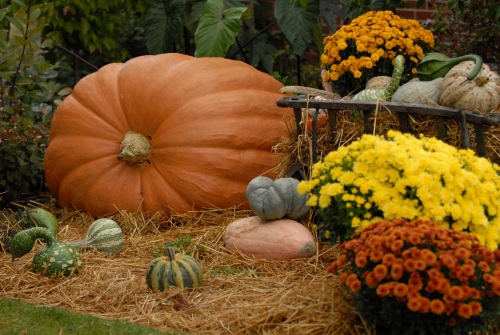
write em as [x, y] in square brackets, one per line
[277, 239]
[164, 133]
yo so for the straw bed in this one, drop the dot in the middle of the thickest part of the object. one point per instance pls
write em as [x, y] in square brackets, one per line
[240, 295]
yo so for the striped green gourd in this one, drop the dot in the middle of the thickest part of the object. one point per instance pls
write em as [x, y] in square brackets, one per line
[55, 259]
[38, 217]
[103, 235]
[386, 92]
[178, 270]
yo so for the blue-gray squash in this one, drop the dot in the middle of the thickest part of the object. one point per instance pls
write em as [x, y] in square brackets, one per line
[274, 200]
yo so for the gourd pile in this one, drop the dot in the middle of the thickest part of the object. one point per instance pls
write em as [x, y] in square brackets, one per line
[462, 83]
[61, 258]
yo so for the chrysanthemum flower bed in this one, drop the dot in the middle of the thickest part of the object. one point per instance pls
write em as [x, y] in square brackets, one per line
[401, 176]
[366, 47]
[420, 278]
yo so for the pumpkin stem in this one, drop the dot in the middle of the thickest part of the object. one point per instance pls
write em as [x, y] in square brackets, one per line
[134, 149]
[481, 81]
[170, 254]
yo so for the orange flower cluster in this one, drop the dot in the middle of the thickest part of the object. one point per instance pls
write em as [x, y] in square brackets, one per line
[430, 269]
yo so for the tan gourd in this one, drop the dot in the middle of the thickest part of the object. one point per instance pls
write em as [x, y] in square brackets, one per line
[277, 239]
[481, 93]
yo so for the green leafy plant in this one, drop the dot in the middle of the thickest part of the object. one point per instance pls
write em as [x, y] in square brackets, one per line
[28, 94]
[464, 27]
[401, 176]
[421, 278]
[355, 8]
[180, 244]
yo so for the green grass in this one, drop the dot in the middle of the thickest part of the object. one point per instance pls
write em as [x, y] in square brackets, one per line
[21, 318]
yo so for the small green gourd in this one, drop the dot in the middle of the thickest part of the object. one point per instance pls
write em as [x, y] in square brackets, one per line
[103, 235]
[55, 259]
[38, 217]
[435, 65]
[178, 270]
[385, 93]
[274, 200]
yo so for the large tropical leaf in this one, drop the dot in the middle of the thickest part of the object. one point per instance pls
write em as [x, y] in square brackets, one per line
[297, 20]
[217, 29]
[330, 11]
[163, 23]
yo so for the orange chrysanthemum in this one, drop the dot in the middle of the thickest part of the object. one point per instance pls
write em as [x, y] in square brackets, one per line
[355, 285]
[414, 304]
[429, 257]
[437, 306]
[396, 271]
[476, 307]
[400, 290]
[380, 271]
[409, 265]
[465, 311]
[384, 290]
[376, 255]
[361, 260]
[425, 305]
[456, 293]
[484, 266]
[371, 280]
[388, 259]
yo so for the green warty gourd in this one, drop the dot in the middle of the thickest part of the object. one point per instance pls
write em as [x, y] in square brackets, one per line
[387, 92]
[55, 259]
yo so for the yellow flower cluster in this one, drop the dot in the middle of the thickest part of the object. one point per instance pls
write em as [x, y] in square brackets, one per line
[369, 40]
[406, 177]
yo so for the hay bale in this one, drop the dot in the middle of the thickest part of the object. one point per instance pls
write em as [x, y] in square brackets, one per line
[350, 127]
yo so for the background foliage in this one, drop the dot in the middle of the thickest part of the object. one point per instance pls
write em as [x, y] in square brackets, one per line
[45, 50]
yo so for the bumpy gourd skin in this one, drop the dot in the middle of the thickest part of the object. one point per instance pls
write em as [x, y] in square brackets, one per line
[38, 217]
[387, 92]
[56, 259]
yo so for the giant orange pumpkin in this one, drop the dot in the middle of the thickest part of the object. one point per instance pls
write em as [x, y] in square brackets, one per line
[164, 133]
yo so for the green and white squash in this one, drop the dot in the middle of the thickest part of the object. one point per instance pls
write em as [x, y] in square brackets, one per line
[103, 235]
[178, 270]
[422, 92]
[274, 200]
[38, 217]
[55, 259]
[385, 93]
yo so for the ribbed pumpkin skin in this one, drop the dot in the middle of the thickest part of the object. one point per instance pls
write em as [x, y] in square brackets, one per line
[183, 272]
[211, 122]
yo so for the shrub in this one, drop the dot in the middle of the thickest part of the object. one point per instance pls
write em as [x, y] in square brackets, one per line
[367, 46]
[401, 176]
[27, 95]
[463, 27]
[421, 278]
